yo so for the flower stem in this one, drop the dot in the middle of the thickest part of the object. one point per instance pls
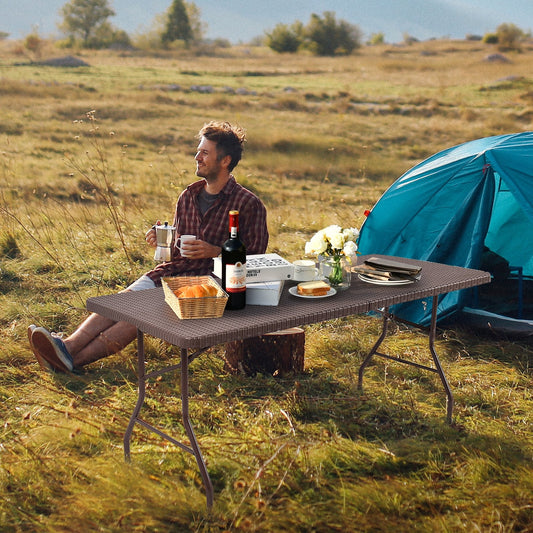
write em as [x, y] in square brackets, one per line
[335, 278]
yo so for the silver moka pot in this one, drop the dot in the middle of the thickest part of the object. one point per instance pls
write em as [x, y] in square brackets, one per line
[165, 235]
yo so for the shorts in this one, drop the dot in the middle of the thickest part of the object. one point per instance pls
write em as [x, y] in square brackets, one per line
[144, 282]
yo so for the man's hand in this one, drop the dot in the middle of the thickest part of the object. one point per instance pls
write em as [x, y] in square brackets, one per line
[200, 249]
[194, 249]
[150, 235]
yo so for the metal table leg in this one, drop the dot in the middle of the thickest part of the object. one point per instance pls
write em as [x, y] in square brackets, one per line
[188, 427]
[374, 350]
[194, 449]
[141, 378]
[436, 369]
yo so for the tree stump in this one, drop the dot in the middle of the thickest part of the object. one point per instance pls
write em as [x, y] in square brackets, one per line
[275, 353]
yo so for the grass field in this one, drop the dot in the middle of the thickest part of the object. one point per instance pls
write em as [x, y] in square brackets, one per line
[90, 157]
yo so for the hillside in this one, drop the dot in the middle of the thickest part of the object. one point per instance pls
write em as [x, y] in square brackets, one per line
[242, 20]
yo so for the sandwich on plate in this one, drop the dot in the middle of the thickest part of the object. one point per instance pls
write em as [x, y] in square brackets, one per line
[313, 288]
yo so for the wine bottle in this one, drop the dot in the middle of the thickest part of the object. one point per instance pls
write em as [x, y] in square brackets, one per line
[234, 265]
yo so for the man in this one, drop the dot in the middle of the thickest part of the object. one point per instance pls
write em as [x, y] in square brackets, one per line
[202, 210]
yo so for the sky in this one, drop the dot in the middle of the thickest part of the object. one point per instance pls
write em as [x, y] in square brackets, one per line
[242, 20]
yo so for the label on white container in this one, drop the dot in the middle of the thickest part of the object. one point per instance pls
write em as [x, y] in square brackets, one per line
[236, 277]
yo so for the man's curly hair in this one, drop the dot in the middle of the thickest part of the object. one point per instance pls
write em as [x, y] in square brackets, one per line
[229, 139]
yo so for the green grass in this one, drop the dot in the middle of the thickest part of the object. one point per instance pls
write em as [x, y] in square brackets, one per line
[295, 453]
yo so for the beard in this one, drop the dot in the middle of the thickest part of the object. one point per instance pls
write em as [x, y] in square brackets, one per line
[209, 176]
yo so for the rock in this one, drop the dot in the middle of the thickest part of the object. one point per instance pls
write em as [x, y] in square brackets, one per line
[497, 58]
[203, 89]
[511, 79]
[66, 61]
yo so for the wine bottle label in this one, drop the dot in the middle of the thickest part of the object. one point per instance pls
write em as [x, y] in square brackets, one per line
[236, 277]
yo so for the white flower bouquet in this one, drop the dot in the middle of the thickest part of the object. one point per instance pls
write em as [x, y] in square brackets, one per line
[334, 242]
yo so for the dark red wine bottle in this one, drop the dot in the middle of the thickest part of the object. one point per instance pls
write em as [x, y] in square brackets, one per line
[234, 265]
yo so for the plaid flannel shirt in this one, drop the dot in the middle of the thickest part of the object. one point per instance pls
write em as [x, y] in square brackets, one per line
[213, 227]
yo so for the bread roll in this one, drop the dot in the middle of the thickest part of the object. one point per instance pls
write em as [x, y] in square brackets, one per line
[313, 288]
[196, 291]
[210, 289]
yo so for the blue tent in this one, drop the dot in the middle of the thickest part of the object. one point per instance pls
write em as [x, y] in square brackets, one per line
[453, 206]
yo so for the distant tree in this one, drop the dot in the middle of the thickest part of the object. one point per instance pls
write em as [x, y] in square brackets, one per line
[85, 18]
[107, 36]
[284, 38]
[409, 39]
[3, 35]
[258, 40]
[220, 42]
[195, 21]
[325, 36]
[178, 26]
[509, 36]
[490, 38]
[152, 38]
[377, 38]
[34, 44]
[120, 38]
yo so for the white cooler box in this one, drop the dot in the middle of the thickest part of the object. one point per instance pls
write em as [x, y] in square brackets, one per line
[264, 293]
[262, 267]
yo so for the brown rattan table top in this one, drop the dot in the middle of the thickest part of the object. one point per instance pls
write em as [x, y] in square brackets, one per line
[149, 312]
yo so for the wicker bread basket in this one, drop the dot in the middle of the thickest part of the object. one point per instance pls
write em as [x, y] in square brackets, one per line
[206, 307]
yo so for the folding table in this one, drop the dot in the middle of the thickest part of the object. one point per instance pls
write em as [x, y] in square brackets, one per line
[148, 311]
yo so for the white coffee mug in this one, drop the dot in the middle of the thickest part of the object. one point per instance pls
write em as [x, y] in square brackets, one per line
[304, 270]
[183, 239]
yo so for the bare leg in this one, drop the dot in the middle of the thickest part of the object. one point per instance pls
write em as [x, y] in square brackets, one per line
[107, 342]
[86, 332]
[98, 337]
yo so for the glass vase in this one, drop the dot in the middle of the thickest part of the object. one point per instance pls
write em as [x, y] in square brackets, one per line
[336, 270]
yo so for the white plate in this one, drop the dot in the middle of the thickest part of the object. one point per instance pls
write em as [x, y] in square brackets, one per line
[367, 279]
[294, 292]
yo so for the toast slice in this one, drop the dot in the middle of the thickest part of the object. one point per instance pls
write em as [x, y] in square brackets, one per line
[313, 288]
